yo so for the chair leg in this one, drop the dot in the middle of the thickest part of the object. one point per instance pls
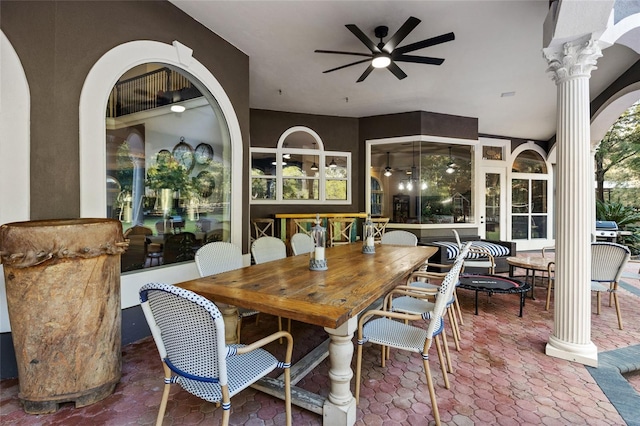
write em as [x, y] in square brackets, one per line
[443, 362]
[615, 301]
[447, 353]
[238, 328]
[383, 356]
[358, 370]
[165, 396]
[454, 328]
[457, 305]
[287, 394]
[546, 306]
[432, 392]
[226, 400]
[598, 301]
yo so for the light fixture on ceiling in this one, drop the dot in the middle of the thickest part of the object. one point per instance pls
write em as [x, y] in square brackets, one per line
[286, 155]
[451, 164]
[332, 164]
[177, 108]
[387, 170]
[381, 60]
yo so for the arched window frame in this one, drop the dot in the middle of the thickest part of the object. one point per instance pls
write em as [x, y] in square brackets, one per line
[530, 243]
[324, 157]
[93, 100]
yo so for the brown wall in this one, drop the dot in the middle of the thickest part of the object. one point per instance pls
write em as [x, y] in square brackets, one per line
[58, 42]
[337, 134]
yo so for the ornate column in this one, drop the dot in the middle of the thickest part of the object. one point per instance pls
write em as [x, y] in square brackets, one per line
[571, 64]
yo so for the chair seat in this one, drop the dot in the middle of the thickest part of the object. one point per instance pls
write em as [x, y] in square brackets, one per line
[413, 305]
[387, 332]
[243, 370]
[598, 286]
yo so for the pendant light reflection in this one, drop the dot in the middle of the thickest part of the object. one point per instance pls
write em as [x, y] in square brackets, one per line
[387, 170]
[314, 166]
[451, 164]
[332, 164]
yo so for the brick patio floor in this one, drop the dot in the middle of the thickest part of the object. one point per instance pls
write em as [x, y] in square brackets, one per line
[501, 376]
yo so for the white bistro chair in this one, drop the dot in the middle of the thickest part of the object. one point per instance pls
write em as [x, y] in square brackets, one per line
[216, 258]
[267, 249]
[383, 328]
[301, 243]
[189, 332]
[399, 238]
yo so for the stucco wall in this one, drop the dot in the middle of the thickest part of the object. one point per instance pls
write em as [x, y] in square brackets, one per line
[58, 43]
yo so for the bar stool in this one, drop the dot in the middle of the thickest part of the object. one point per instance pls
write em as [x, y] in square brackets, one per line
[340, 230]
[263, 227]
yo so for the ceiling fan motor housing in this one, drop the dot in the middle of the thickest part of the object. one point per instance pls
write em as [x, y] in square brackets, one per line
[381, 31]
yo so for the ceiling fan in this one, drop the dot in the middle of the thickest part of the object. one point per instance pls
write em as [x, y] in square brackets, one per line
[385, 55]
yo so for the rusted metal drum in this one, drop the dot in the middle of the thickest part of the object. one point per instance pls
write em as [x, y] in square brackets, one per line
[62, 280]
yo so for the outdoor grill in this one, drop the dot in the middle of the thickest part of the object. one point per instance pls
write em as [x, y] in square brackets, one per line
[606, 230]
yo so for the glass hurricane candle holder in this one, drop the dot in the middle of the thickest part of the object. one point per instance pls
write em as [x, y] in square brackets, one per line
[368, 230]
[318, 261]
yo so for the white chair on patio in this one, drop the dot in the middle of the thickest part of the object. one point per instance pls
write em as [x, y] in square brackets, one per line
[383, 328]
[399, 238]
[301, 243]
[218, 257]
[607, 264]
[267, 249]
[478, 257]
[189, 332]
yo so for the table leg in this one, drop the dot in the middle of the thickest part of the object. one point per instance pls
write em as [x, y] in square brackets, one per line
[476, 302]
[522, 295]
[340, 406]
[230, 317]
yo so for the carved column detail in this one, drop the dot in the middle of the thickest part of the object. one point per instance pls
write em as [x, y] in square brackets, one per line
[571, 65]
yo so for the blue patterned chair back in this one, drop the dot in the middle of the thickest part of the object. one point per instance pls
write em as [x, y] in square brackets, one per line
[188, 330]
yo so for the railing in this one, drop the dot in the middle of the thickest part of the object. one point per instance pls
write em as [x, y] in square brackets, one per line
[150, 90]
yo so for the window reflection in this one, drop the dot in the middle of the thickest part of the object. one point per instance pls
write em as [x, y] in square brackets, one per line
[171, 170]
[429, 183]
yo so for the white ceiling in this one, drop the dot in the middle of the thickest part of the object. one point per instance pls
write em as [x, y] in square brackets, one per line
[497, 49]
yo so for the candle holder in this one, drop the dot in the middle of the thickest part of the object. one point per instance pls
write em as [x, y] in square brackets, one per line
[368, 230]
[318, 261]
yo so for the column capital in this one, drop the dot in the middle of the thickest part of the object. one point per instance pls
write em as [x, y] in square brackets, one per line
[575, 58]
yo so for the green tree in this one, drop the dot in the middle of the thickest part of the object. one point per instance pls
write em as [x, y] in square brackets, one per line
[619, 147]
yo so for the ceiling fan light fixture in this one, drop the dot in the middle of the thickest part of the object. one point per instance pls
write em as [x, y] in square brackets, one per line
[381, 61]
[177, 108]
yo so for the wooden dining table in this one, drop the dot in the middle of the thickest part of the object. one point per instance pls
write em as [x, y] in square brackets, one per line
[332, 299]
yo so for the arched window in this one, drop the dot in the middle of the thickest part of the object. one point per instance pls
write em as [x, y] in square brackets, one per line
[529, 197]
[300, 170]
[168, 148]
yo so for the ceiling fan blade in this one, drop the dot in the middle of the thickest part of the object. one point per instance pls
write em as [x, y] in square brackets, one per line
[425, 43]
[419, 59]
[400, 35]
[363, 38]
[345, 66]
[395, 69]
[369, 55]
[365, 74]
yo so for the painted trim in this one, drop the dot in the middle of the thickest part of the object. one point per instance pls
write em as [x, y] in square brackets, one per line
[15, 150]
